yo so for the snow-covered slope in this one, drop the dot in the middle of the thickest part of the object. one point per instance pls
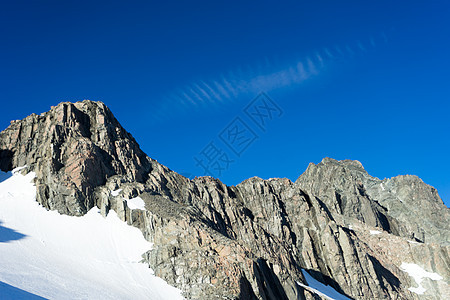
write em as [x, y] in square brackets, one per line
[61, 257]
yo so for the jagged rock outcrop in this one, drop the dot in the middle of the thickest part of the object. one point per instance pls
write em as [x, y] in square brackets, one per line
[402, 205]
[73, 148]
[249, 241]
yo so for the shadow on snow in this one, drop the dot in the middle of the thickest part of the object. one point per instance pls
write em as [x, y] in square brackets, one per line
[8, 234]
[11, 292]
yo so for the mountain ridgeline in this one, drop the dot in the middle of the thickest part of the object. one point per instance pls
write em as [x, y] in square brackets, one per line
[344, 227]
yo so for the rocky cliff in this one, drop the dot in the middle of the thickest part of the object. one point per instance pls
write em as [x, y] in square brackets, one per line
[250, 241]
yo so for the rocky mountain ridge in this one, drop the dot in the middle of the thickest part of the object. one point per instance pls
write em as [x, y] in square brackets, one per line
[249, 241]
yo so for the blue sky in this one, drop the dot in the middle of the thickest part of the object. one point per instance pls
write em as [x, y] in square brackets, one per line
[351, 80]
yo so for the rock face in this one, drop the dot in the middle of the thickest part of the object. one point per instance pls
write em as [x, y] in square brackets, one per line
[249, 241]
[403, 205]
[72, 148]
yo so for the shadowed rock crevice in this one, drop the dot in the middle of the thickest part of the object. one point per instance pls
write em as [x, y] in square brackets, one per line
[268, 284]
[6, 157]
[384, 275]
[246, 291]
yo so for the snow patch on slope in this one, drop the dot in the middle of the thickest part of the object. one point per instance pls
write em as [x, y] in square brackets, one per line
[136, 203]
[413, 242]
[18, 169]
[116, 192]
[418, 274]
[62, 257]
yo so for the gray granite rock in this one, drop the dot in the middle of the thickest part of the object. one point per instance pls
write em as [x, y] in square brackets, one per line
[249, 241]
[73, 149]
[402, 205]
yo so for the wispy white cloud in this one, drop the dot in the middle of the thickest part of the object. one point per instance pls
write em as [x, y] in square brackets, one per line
[202, 94]
[384, 36]
[267, 75]
[319, 59]
[221, 90]
[186, 96]
[328, 53]
[303, 75]
[349, 50]
[229, 87]
[196, 96]
[338, 50]
[361, 46]
[311, 67]
[214, 94]
[244, 81]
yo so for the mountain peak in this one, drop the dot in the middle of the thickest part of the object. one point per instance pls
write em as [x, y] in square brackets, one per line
[402, 205]
[73, 148]
[346, 163]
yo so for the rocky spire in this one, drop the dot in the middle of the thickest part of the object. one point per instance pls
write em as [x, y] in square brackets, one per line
[250, 241]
